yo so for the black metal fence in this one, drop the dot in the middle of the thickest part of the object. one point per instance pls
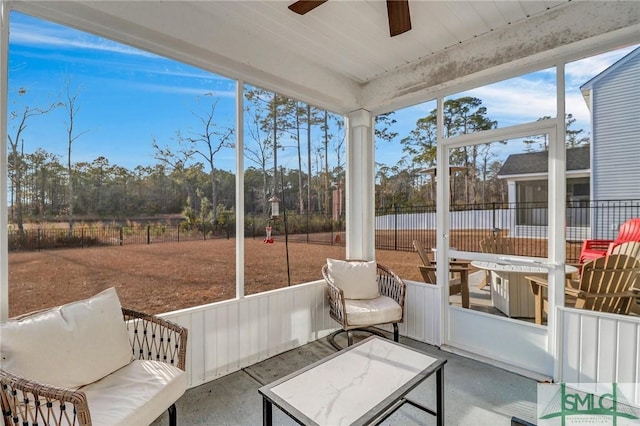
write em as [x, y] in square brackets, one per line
[100, 236]
[315, 229]
[527, 223]
[301, 228]
[396, 228]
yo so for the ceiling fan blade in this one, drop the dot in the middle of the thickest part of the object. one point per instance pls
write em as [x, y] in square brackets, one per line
[399, 19]
[303, 6]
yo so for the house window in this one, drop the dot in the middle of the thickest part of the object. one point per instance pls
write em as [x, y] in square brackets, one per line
[532, 207]
[580, 189]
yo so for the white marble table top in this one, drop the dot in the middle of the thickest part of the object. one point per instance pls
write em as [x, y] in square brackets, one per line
[346, 387]
[515, 267]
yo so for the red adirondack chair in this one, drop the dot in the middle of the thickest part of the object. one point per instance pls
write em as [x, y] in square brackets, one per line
[593, 249]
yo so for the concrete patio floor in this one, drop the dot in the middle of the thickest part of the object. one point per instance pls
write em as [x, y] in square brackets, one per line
[475, 393]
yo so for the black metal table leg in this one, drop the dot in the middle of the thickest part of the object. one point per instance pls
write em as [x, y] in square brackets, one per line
[267, 412]
[440, 396]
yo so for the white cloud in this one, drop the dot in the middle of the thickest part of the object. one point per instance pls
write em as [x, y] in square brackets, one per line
[527, 98]
[518, 100]
[576, 106]
[174, 89]
[53, 36]
[47, 41]
[585, 69]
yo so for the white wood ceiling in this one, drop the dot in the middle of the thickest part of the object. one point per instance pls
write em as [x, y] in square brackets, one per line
[352, 37]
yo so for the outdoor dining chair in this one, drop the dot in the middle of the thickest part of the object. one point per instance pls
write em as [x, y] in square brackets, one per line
[632, 248]
[605, 285]
[459, 280]
[495, 244]
[592, 249]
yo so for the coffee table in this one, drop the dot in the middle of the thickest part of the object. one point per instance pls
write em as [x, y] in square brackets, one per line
[360, 385]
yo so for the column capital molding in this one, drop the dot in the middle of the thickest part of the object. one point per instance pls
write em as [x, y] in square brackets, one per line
[360, 117]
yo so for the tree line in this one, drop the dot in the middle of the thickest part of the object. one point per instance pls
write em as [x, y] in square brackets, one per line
[187, 179]
[474, 169]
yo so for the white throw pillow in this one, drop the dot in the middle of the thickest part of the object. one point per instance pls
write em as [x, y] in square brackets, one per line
[358, 280]
[70, 345]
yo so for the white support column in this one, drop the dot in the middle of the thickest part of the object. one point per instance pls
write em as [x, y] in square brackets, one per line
[512, 198]
[511, 191]
[360, 186]
[239, 189]
[442, 224]
[557, 213]
[4, 210]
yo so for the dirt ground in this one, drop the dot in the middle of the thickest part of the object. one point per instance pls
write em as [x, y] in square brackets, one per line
[164, 277]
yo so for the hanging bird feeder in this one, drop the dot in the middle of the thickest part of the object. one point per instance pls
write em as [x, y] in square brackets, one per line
[275, 206]
[275, 214]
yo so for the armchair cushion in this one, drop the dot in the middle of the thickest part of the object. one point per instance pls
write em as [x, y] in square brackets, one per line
[357, 280]
[70, 345]
[380, 310]
[136, 394]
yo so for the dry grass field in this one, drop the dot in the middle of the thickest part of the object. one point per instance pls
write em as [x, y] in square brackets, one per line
[164, 277]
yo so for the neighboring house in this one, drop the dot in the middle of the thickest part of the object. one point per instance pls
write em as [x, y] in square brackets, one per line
[613, 98]
[603, 189]
[526, 175]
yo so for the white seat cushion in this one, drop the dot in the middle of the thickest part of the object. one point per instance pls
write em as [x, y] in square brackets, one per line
[136, 394]
[380, 310]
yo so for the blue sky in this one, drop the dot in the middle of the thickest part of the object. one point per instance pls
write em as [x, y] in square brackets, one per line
[127, 97]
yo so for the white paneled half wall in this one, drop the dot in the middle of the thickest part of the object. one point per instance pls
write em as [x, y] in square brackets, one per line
[227, 336]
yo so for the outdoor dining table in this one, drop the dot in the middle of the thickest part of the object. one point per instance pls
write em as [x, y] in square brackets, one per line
[510, 292]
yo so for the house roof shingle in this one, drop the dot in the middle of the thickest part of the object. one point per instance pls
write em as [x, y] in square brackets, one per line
[537, 162]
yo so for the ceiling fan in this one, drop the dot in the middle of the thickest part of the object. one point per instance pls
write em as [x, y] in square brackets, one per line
[397, 11]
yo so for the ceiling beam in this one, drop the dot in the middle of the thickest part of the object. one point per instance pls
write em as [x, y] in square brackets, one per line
[572, 31]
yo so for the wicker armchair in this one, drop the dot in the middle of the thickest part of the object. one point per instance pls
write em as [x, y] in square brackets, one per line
[156, 339]
[26, 402]
[354, 314]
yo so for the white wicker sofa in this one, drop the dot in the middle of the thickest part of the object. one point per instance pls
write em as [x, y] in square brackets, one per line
[90, 362]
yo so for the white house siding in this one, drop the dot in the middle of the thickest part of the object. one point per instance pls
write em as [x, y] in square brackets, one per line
[615, 162]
